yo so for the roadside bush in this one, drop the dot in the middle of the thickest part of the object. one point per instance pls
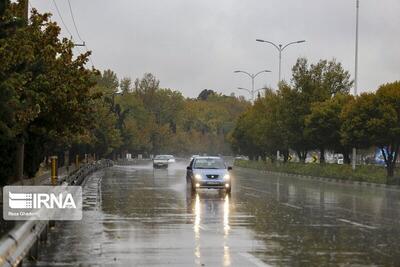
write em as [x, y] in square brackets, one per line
[363, 173]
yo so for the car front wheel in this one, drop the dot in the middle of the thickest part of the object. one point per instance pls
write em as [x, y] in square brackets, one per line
[192, 187]
[228, 190]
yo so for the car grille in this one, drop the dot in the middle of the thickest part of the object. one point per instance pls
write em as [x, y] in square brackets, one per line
[212, 176]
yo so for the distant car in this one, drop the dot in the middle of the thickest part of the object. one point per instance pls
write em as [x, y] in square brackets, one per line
[194, 156]
[242, 158]
[340, 159]
[208, 172]
[161, 161]
[171, 159]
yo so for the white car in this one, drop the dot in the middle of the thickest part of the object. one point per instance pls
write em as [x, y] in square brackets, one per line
[160, 161]
[208, 172]
[340, 159]
[242, 158]
[171, 159]
[193, 156]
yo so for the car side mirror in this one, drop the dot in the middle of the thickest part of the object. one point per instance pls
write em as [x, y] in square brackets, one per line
[188, 168]
[230, 168]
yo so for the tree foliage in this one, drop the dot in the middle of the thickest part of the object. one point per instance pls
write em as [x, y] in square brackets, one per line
[149, 119]
[323, 125]
[45, 90]
[316, 112]
[373, 119]
[290, 117]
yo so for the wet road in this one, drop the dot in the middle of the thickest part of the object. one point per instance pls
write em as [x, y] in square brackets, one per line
[137, 216]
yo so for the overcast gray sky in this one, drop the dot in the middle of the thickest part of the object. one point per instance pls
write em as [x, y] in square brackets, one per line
[192, 45]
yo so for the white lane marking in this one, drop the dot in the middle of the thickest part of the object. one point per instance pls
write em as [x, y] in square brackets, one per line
[254, 260]
[251, 195]
[358, 224]
[292, 206]
[203, 227]
[254, 189]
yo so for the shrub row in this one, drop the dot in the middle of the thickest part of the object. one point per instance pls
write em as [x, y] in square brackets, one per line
[363, 173]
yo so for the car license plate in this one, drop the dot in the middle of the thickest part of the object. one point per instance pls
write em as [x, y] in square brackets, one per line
[212, 183]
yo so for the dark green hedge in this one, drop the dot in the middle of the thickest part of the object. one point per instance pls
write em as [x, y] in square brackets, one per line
[363, 173]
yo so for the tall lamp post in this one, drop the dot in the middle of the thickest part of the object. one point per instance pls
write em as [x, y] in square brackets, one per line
[280, 48]
[252, 77]
[356, 75]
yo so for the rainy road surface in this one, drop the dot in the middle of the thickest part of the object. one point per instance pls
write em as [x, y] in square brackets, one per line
[137, 216]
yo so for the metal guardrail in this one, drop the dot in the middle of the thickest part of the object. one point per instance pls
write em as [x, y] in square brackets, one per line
[23, 239]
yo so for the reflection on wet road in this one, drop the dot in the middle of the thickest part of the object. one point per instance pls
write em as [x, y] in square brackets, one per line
[137, 216]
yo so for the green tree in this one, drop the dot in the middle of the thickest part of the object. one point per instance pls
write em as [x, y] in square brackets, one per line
[310, 84]
[126, 85]
[374, 119]
[205, 94]
[242, 137]
[323, 126]
[294, 107]
[45, 90]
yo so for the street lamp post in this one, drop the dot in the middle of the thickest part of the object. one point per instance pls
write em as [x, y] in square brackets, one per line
[252, 77]
[356, 75]
[280, 49]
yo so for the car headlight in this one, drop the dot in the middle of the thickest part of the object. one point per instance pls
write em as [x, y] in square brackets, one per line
[227, 177]
[197, 176]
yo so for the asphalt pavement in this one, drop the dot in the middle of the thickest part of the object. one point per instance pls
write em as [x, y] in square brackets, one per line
[137, 216]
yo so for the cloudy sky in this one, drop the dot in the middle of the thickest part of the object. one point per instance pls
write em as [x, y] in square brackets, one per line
[192, 45]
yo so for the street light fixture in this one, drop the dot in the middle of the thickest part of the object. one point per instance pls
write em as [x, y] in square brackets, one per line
[252, 77]
[280, 48]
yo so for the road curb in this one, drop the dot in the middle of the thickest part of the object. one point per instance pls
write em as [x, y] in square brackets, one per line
[328, 180]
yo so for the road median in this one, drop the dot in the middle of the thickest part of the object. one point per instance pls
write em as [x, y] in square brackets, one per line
[368, 175]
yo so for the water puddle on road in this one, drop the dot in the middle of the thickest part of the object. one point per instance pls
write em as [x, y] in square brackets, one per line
[135, 215]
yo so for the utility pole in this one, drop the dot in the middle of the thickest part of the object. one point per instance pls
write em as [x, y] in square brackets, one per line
[356, 75]
[356, 56]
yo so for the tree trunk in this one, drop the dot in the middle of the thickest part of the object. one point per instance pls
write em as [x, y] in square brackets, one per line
[390, 174]
[285, 156]
[271, 158]
[322, 156]
[20, 158]
[390, 157]
[66, 160]
[346, 157]
[302, 156]
[390, 170]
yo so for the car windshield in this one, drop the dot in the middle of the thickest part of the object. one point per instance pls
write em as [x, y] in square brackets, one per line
[161, 157]
[209, 163]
